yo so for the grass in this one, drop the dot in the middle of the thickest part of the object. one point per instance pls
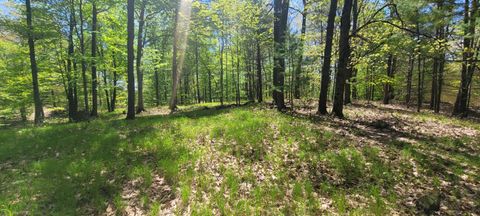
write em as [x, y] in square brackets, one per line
[238, 161]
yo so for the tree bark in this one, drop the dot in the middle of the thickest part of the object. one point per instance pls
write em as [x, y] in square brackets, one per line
[71, 79]
[468, 66]
[197, 83]
[39, 115]
[322, 103]
[298, 71]
[411, 66]
[280, 28]
[259, 73]
[131, 58]
[388, 87]
[350, 72]
[84, 62]
[141, 24]
[343, 60]
[94, 111]
[114, 86]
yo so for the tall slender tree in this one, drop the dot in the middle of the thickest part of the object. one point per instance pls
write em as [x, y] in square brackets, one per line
[130, 59]
[94, 111]
[39, 115]
[298, 70]
[322, 103]
[343, 60]
[279, 36]
[141, 25]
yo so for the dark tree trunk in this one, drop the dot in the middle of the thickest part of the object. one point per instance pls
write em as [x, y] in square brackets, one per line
[388, 92]
[280, 28]
[71, 79]
[298, 71]
[222, 47]
[197, 83]
[84, 62]
[343, 60]
[131, 58]
[94, 64]
[141, 24]
[175, 75]
[237, 92]
[259, 73]
[351, 70]
[107, 93]
[411, 66]
[468, 66]
[421, 76]
[114, 86]
[39, 115]
[322, 103]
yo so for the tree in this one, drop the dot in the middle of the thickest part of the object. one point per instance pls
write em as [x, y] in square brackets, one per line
[141, 24]
[39, 115]
[322, 103]
[279, 35]
[468, 58]
[130, 59]
[182, 26]
[94, 111]
[298, 70]
[343, 60]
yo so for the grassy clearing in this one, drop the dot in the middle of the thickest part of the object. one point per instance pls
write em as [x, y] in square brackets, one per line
[239, 161]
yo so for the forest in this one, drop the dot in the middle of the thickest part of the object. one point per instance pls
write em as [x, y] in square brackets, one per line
[239, 107]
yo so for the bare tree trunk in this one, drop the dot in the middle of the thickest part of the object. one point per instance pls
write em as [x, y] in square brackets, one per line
[182, 18]
[131, 58]
[468, 66]
[343, 60]
[72, 104]
[197, 83]
[280, 28]
[114, 86]
[298, 70]
[222, 47]
[39, 115]
[388, 93]
[84, 62]
[322, 103]
[141, 24]
[94, 56]
[411, 66]
[259, 73]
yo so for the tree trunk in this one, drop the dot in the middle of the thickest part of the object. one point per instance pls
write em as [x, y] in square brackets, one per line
[298, 71]
[280, 28]
[411, 66]
[39, 115]
[222, 47]
[259, 73]
[343, 60]
[350, 73]
[131, 58]
[421, 75]
[237, 91]
[468, 66]
[141, 24]
[114, 86]
[94, 56]
[84, 62]
[72, 104]
[322, 103]
[181, 29]
[197, 83]
[388, 87]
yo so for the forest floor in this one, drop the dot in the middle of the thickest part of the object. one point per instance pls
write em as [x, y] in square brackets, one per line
[248, 160]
